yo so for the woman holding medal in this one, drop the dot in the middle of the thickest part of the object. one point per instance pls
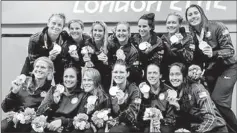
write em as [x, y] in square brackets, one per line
[126, 100]
[197, 112]
[99, 43]
[155, 94]
[27, 91]
[121, 46]
[179, 44]
[47, 43]
[215, 54]
[71, 50]
[149, 45]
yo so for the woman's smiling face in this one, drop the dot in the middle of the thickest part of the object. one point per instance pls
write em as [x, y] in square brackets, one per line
[175, 76]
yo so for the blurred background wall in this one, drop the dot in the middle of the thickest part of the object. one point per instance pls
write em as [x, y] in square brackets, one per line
[20, 19]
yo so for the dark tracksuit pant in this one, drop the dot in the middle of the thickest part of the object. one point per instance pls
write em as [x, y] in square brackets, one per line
[221, 87]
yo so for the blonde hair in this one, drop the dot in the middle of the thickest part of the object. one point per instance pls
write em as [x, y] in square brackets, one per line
[76, 21]
[60, 15]
[105, 28]
[180, 18]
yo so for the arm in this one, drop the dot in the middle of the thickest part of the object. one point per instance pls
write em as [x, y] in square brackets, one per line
[184, 50]
[225, 44]
[130, 114]
[11, 102]
[205, 104]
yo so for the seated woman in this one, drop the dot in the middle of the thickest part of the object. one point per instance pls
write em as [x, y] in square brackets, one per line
[197, 112]
[99, 43]
[27, 92]
[126, 99]
[122, 47]
[62, 107]
[180, 45]
[156, 96]
[71, 50]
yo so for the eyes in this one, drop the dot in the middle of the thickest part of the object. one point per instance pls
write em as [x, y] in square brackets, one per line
[175, 74]
[42, 67]
[121, 30]
[121, 72]
[171, 22]
[69, 76]
[97, 30]
[142, 26]
[194, 13]
[152, 73]
[89, 80]
[59, 24]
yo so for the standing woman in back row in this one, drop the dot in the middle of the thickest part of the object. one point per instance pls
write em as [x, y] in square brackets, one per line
[99, 42]
[179, 43]
[215, 53]
[48, 43]
[153, 53]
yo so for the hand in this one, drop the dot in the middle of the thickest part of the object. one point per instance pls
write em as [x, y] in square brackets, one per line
[141, 84]
[54, 125]
[53, 54]
[16, 85]
[173, 101]
[148, 50]
[86, 58]
[156, 123]
[208, 51]
[120, 54]
[102, 57]
[74, 55]
[9, 115]
[180, 37]
[90, 108]
[56, 97]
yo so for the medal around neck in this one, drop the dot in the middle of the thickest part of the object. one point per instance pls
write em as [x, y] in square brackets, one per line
[113, 90]
[74, 100]
[172, 93]
[174, 39]
[144, 45]
[145, 88]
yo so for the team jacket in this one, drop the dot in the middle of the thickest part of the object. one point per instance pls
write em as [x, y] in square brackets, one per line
[68, 107]
[28, 96]
[158, 101]
[129, 49]
[156, 55]
[128, 111]
[202, 109]
[218, 37]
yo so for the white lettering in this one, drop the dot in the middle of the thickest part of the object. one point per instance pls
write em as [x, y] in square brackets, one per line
[93, 10]
[75, 8]
[158, 6]
[219, 6]
[174, 7]
[149, 3]
[104, 3]
[124, 7]
[187, 4]
[141, 8]
[208, 5]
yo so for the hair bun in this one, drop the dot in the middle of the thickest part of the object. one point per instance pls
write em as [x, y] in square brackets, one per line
[150, 16]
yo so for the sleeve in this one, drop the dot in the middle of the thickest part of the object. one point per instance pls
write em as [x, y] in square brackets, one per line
[47, 105]
[11, 102]
[157, 54]
[206, 112]
[130, 114]
[32, 48]
[225, 44]
[170, 117]
[185, 52]
[133, 57]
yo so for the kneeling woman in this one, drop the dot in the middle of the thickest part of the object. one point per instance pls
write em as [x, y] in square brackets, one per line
[126, 99]
[27, 92]
[62, 107]
[155, 95]
[196, 106]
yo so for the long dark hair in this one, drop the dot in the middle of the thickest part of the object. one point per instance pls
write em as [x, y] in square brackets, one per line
[184, 102]
[203, 16]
